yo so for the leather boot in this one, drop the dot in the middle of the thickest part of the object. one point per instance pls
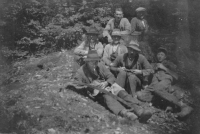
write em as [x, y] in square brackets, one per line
[143, 114]
[129, 115]
[185, 110]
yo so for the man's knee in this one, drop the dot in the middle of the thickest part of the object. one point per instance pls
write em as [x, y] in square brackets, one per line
[139, 95]
[122, 73]
[144, 96]
[133, 78]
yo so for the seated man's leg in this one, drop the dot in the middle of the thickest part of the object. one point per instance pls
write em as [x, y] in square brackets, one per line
[117, 108]
[143, 114]
[113, 104]
[145, 95]
[160, 90]
[121, 78]
[133, 81]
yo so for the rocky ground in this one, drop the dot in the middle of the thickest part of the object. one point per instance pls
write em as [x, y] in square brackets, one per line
[34, 100]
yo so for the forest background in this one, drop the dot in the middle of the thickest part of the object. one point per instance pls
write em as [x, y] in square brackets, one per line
[40, 27]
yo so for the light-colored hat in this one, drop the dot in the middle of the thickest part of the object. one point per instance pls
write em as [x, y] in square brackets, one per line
[92, 56]
[92, 30]
[134, 46]
[116, 32]
[139, 9]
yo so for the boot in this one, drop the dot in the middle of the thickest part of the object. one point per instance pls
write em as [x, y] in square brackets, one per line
[185, 110]
[143, 114]
[129, 115]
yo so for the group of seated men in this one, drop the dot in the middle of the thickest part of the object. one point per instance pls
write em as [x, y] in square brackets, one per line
[120, 68]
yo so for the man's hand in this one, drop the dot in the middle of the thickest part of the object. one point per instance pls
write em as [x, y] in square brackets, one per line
[136, 71]
[103, 85]
[161, 66]
[121, 68]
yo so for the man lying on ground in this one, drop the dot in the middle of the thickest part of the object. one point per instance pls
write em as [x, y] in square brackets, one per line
[163, 76]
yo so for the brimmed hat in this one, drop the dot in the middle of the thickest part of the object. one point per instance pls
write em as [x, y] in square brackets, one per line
[134, 46]
[139, 9]
[136, 33]
[162, 49]
[92, 56]
[92, 30]
[116, 32]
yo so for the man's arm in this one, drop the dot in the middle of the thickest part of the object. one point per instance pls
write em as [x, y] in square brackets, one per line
[146, 66]
[127, 25]
[106, 57]
[107, 29]
[109, 77]
[80, 49]
[114, 66]
[99, 48]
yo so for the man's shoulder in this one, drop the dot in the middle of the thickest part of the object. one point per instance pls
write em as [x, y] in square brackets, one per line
[122, 46]
[134, 19]
[124, 19]
[142, 57]
[107, 46]
[111, 20]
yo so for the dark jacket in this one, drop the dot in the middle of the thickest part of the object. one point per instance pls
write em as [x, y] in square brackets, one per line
[140, 62]
[169, 72]
[83, 74]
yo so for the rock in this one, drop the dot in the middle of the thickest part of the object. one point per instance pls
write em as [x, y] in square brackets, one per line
[52, 131]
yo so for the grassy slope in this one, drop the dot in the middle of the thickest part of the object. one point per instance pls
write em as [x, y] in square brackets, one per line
[36, 101]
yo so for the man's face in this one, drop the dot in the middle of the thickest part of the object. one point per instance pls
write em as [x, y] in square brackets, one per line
[141, 14]
[92, 37]
[118, 15]
[116, 39]
[132, 52]
[125, 40]
[161, 56]
[92, 65]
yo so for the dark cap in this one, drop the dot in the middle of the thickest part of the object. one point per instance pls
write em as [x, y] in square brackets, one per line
[162, 49]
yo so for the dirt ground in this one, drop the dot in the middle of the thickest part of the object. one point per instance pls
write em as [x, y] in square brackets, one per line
[34, 100]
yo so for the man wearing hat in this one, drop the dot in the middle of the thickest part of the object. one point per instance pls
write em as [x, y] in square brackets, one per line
[139, 25]
[163, 77]
[117, 23]
[91, 43]
[111, 51]
[132, 68]
[96, 74]
[139, 30]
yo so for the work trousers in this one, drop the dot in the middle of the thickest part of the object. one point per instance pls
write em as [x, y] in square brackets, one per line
[159, 88]
[124, 78]
[114, 105]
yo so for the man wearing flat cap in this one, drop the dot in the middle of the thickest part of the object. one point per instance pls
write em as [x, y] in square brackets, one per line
[95, 73]
[91, 43]
[163, 77]
[139, 25]
[111, 51]
[139, 32]
[132, 68]
[118, 22]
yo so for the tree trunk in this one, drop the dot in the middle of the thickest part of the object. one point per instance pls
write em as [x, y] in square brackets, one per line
[188, 62]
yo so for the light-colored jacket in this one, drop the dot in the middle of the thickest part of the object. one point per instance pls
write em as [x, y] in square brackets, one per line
[83, 49]
[108, 50]
[124, 26]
